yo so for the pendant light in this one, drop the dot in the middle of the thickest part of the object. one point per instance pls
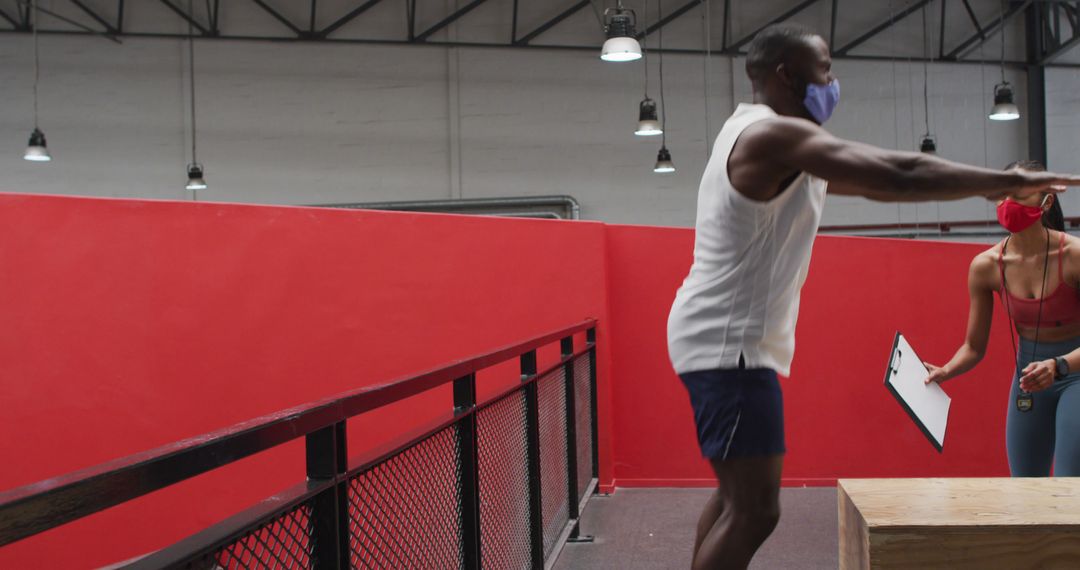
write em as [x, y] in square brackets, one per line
[195, 181]
[663, 161]
[621, 44]
[36, 150]
[1004, 108]
[195, 177]
[648, 123]
[663, 157]
[928, 144]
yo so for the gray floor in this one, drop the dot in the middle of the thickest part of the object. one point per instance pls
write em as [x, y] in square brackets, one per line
[643, 529]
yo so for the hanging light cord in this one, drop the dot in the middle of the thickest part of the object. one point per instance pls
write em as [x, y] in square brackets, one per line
[706, 23]
[663, 106]
[1003, 41]
[191, 61]
[645, 48]
[34, 24]
[926, 68]
[928, 38]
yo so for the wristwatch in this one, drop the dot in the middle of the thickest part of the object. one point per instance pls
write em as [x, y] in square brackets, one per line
[1061, 367]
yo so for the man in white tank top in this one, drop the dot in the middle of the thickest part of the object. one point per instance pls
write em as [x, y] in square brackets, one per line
[731, 330]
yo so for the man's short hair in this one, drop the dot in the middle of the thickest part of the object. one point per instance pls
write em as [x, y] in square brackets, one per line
[772, 46]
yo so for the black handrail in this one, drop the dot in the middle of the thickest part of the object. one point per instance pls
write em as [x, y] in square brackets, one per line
[40, 506]
[177, 554]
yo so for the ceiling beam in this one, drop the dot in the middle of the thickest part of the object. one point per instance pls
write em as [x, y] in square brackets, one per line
[974, 20]
[277, 16]
[524, 40]
[449, 20]
[1059, 47]
[108, 27]
[669, 18]
[781, 18]
[347, 18]
[941, 33]
[833, 12]
[187, 17]
[972, 43]
[10, 20]
[69, 21]
[882, 27]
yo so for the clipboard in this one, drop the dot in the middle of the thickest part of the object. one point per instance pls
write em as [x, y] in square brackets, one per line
[926, 404]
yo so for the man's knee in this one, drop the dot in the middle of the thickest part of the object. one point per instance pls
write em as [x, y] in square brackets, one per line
[758, 520]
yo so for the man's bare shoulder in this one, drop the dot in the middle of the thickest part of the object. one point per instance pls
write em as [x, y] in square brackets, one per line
[778, 131]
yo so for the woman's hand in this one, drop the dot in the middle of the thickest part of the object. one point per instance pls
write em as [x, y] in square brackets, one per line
[937, 374]
[1038, 376]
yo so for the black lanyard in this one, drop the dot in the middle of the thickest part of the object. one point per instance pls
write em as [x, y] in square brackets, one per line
[1024, 401]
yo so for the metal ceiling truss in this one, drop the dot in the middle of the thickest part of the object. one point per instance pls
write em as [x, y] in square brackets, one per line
[1058, 25]
[1053, 40]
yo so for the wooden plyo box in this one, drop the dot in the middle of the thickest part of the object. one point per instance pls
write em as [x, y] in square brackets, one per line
[959, 523]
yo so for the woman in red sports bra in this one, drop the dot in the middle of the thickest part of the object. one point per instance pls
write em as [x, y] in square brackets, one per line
[1035, 272]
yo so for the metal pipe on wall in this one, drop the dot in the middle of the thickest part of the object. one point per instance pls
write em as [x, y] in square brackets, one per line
[569, 203]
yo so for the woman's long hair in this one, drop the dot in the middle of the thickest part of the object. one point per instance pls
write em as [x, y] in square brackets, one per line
[1054, 217]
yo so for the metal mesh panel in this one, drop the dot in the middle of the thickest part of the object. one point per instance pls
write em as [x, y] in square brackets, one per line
[406, 511]
[284, 542]
[504, 484]
[583, 401]
[553, 469]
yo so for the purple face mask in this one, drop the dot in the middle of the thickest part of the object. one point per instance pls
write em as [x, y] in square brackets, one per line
[821, 100]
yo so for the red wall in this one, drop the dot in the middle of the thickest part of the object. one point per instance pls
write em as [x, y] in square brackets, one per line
[128, 325]
[840, 419]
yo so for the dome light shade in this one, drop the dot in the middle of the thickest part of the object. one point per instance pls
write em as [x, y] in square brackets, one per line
[663, 161]
[195, 177]
[1004, 107]
[621, 44]
[928, 145]
[648, 123]
[36, 151]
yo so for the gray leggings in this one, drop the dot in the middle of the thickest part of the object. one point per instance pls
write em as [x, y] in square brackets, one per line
[1049, 434]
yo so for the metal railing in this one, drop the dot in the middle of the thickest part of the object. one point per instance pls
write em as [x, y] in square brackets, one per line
[954, 229]
[492, 484]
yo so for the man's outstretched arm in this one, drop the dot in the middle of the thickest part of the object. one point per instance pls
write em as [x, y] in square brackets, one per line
[859, 169]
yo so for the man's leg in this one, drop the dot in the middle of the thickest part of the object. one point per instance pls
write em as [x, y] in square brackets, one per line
[749, 508]
[713, 509]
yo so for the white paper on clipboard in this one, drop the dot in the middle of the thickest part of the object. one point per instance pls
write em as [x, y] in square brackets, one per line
[927, 404]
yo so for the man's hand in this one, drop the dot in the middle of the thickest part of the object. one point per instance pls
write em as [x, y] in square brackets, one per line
[937, 374]
[1034, 183]
[1038, 375]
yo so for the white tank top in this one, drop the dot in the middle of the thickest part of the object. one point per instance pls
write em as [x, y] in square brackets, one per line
[741, 297]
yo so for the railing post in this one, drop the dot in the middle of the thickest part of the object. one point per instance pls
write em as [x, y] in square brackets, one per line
[532, 428]
[590, 339]
[464, 404]
[327, 459]
[567, 345]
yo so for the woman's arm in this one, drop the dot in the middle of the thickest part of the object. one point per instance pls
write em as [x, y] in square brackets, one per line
[980, 313]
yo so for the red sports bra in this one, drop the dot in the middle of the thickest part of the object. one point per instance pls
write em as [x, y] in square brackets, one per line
[1060, 307]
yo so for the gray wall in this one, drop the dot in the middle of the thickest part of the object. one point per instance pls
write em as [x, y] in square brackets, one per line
[315, 123]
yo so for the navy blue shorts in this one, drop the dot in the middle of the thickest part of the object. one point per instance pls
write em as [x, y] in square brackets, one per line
[738, 412]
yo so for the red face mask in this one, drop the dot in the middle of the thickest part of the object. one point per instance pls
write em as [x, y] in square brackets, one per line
[1017, 217]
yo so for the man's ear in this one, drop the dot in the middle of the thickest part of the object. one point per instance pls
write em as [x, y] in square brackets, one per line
[784, 75]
